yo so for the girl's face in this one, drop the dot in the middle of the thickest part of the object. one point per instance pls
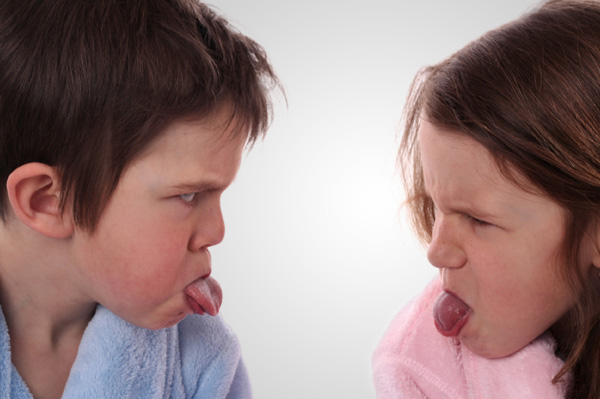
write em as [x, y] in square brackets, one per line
[496, 245]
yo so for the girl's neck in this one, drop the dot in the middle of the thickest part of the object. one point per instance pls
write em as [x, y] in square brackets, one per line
[562, 335]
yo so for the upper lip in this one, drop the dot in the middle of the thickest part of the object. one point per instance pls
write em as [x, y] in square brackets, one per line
[204, 266]
[204, 276]
[453, 292]
[446, 286]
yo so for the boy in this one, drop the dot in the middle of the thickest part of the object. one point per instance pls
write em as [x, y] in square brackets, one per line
[121, 123]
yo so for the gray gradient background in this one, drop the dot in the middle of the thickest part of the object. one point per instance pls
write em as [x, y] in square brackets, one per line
[318, 257]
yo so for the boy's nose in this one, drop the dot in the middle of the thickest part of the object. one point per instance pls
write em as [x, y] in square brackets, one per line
[210, 229]
[445, 249]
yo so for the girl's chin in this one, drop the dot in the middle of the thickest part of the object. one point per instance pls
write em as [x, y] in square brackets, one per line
[487, 350]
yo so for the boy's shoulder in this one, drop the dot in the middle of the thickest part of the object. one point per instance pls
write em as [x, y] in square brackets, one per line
[210, 356]
[199, 357]
[211, 330]
[206, 339]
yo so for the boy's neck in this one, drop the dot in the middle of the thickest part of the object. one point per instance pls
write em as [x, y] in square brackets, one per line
[45, 313]
[38, 296]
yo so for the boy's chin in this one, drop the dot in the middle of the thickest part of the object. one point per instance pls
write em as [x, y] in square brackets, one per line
[172, 322]
[156, 323]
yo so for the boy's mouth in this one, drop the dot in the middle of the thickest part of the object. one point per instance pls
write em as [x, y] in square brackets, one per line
[204, 296]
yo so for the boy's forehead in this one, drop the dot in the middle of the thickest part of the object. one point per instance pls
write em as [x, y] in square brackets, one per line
[210, 133]
[185, 140]
[188, 157]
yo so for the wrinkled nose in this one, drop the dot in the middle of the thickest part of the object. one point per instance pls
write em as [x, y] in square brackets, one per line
[446, 247]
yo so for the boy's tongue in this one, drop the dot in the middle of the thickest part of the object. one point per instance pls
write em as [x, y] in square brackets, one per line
[450, 314]
[205, 296]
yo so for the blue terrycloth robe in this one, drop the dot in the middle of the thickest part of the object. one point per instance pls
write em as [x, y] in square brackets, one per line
[198, 358]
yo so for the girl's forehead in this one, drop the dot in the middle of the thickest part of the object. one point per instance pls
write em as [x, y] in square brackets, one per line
[460, 173]
[449, 155]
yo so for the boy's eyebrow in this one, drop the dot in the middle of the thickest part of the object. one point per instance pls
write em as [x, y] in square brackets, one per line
[199, 186]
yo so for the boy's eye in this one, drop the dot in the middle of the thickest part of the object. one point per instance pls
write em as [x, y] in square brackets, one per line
[189, 197]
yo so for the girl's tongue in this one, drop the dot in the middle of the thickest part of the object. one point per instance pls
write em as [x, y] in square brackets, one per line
[450, 314]
[205, 296]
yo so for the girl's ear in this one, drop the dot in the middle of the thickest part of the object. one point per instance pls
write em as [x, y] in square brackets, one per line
[34, 192]
[595, 246]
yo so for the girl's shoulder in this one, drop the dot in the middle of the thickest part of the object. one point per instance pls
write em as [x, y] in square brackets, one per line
[414, 359]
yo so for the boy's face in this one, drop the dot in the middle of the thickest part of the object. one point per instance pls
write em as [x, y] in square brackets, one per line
[496, 245]
[152, 239]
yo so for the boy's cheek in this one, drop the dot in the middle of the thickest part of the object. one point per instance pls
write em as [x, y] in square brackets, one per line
[146, 260]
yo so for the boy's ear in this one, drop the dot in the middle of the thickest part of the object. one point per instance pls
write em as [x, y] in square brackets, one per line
[34, 191]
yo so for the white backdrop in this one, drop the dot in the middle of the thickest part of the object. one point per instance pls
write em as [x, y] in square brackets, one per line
[318, 257]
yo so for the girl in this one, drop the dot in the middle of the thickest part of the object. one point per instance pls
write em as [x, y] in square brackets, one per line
[501, 159]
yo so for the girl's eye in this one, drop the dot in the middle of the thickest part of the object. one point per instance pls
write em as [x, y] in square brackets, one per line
[478, 222]
[188, 198]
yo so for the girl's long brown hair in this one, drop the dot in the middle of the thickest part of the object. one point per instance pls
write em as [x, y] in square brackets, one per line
[529, 92]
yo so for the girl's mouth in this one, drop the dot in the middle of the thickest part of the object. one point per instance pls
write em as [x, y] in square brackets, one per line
[450, 313]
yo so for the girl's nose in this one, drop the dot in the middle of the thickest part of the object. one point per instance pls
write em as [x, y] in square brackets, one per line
[445, 249]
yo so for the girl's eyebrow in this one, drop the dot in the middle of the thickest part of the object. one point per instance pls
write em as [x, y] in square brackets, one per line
[467, 207]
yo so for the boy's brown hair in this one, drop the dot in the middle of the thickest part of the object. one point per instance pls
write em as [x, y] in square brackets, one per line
[86, 85]
[529, 92]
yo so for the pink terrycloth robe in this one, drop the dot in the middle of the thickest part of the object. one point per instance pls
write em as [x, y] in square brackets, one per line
[414, 361]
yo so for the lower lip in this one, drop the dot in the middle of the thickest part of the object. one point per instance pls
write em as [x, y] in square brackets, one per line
[449, 309]
[457, 327]
[194, 305]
